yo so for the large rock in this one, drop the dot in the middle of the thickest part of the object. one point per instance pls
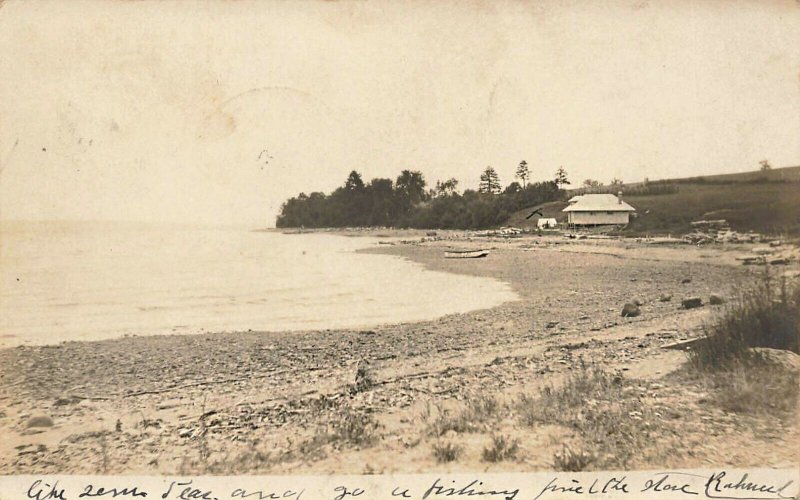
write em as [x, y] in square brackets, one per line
[692, 302]
[630, 310]
[715, 299]
[40, 421]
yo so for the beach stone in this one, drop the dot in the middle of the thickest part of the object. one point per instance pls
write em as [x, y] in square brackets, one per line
[686, 280]
[638, 302]
[630, 310]
[665, 297]
[716, 299]
[692, 302]
[551, 324]
[40, 421]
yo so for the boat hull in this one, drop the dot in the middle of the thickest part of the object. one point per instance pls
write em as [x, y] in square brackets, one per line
[465, 254]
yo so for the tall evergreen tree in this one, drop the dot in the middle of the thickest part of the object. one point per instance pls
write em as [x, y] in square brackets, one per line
[523, 173]
[490, 181]
[561, 177]
[354, 182]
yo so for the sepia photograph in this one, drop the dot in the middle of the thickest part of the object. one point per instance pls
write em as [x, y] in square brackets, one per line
[373, 238]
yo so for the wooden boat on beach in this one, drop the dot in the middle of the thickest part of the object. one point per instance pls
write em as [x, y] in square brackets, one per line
[465, 254]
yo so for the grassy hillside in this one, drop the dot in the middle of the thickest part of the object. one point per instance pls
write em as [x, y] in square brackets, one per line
[551, 209]
[763, 207]
[767, 202]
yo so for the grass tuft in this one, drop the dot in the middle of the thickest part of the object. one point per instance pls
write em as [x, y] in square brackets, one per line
[502, 448]
[471, 418]
[568, 460]
[446, 451]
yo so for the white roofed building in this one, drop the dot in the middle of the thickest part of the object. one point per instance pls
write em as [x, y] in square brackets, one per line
[546, 223]
[598, 210]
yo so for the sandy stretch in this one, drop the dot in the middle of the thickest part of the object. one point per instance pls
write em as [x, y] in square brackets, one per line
[254, 402]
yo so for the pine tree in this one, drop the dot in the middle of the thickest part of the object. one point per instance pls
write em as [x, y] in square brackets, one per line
[561, 177]
[490, 181]
[523, 173]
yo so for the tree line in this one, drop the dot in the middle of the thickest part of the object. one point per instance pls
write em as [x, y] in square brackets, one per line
[409, 202]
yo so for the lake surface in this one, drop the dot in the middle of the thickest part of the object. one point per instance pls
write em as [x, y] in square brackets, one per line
[89, 281]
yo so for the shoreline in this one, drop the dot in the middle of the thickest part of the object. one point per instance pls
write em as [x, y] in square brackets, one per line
[284, 299]
[265, 387]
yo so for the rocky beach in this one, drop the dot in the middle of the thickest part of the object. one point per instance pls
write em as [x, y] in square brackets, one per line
[383, 400]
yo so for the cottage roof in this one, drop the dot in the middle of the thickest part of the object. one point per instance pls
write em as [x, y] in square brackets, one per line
[599, 203]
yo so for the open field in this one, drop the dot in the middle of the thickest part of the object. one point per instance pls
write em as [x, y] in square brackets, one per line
[474, 391]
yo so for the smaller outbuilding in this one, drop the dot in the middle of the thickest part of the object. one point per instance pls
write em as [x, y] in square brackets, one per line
[546, 223]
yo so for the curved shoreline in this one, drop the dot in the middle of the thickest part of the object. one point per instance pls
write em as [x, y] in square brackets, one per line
[284, 284]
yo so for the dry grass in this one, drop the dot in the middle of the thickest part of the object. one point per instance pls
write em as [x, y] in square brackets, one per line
[251, 459]
[568, 460]
[472, 418]
[742, 379]
[613, 424]
[354, 428]
[342, 427]
[767, 315]
[758, 390]
[502, 448]
[446, 451]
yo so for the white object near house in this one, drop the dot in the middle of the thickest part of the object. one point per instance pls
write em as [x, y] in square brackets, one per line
[597, 210]
[546, 223]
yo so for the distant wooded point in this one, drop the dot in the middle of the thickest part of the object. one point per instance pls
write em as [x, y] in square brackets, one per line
[407, 202]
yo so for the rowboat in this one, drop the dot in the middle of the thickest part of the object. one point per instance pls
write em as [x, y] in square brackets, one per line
[465, 254]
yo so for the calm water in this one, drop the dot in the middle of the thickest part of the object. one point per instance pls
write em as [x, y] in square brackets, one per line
[71, 281]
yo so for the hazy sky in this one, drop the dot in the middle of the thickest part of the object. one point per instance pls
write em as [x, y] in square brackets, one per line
[160, 111]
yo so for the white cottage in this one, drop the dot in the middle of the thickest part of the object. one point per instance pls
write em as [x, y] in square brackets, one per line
[597, 210]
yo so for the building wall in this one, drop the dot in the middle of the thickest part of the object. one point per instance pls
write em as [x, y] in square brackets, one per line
[591, 218]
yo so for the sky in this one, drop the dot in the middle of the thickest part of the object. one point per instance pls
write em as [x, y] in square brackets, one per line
[217, 111]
